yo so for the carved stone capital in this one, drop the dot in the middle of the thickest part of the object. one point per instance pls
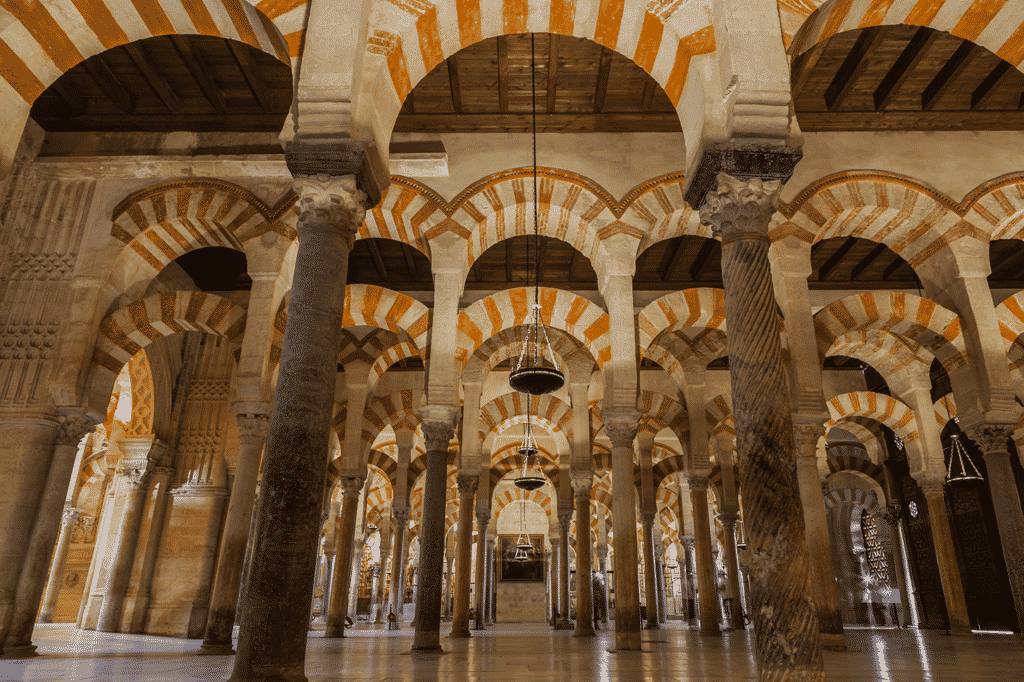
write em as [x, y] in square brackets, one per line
[621, 431]
[807, 436]
[351, 486]
[253, 428]
[766, 161]
[582, 484]
[135, 474]
[69, 516]
[73, 426]
[400, 515]
[740, 208]
[688, 542]
[931, 484]
[892, 513]
[647, 519]
[437, 434]
[564, 519]
[697, 482]
[330, 202]
[483, 518]
[991, 438]
[467, 484]
[728, 517]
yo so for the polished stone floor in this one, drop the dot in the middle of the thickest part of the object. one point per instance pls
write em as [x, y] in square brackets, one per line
[535, 653]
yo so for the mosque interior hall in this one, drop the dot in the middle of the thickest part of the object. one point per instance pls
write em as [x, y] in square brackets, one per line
[468, 339]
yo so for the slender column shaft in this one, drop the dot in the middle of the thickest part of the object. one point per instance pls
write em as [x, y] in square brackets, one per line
[252, 434]
[660, 586]
[490, 607]
[449, 583]
[650, 591]
[275, 614]
[60, 555]
[819, 547]
[162, 477]
[602, 559]
[892, 516]
[564, 522]
[438, 433]
[553, 579]
[691, 570]
[581, 487]
[136, 481]
[787, 640]
[400, 517]
[337, 609]
[355, 575]
[732, 567]
[993, 440]
[945, 554]
[627, 591]
[375, 580]
[467, 484]
[707, 592]
[482, 520]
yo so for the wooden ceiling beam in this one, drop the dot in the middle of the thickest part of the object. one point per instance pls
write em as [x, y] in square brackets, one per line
[552, 73]
[702, 258]
[660, 122]
[453, 83]
[503, 74]
[200, 71]
[603, 74]
[153, 77]
[803, 67]
[842, 83]
[256, 85]
[72, 98]
[669, 264]
[947, 76]
[410, 261]
[988, 87]
[905, 64]
[110, 84]
[508, 260]
[893, 267]
[867, 260]
[647, 97]
[834, 260]
[378, 262]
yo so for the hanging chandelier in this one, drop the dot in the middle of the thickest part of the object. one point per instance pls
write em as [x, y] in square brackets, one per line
[524, 547]
[529, 480]
[532, 375]
[960, 468]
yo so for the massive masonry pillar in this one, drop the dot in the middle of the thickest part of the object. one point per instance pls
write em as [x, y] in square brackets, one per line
[787, 638]
[275, 614]
[993, 439]
[651, 594]
[581, 486]
[337, 608]
[622, 431]
[252, 434]
[437, 433]
[467, 484]
[819, 548]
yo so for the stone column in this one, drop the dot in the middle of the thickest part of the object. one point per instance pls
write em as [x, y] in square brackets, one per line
[136, 608]
[275, 614]
[32, 581]
[482, 520]
[706, 584]
[467, 484]
[60, 555]
[136, 482]
[437, 434]
[647, 522]
[375, 571]
[659, 582]
[690, 556]
[401, 524]
[785, 618]
[252, 434]
[602, 566]
[351, 486]
[581, 486]
[732, 568]
[355, 574]
[892, 517]
[993, 439]
[491, 574]
[551, 558]
[932, 485]
[564, 520]
[819, 548]
[621, 431]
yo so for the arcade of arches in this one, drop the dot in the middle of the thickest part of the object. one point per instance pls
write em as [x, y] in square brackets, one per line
[265, 268]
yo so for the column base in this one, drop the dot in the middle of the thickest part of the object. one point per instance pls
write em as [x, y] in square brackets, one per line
[460, 633]
[215, 649]
[427, 649]
[652, 626]
[334, 633]
[711, 632]
[564, 624]
[961, 632]
[586, 631]
[833, 642]
[626, 641]
[22, 651]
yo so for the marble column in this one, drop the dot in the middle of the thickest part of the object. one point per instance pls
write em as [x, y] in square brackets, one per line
[60, 554]
[275, 614]
[706, 583]
[467, 484]
[137, 607]
[355, 574]
[933, 487]
[437, 434]
[491, 575]
[659, 583]
[32, 581]
[732, 567]
[449, 580]
[563, 622]
[690, 556]
[581, 487]
[400, 515]
[252, 434]
[135, 480]
[375, 577]
[337, 609]
[482, 520]
[993, 439]
[602, 567]
[788, 642]
[819, 547]
[551, 558]
[650, 591]
[622, 431]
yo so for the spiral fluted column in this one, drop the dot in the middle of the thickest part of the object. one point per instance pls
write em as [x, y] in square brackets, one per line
[275, 613]
[467, 484]
[337, 607]
[622, 431]
[581, 486]
[787, 638]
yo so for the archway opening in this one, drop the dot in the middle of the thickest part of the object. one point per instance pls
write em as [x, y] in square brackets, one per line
[216, 268]
[852, 262]
[679, 263]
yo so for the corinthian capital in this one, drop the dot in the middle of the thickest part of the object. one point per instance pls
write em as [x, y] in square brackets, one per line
[74, 424]
[991, 438]
[467, 483]
[621, 429]
[253, 428]
[351, 486]
[335, 201]
[740, 207]
[582, 483]
[437, 434]
[806, 436]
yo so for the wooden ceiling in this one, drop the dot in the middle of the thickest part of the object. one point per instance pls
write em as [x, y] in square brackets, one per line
[852, 263]
[170, 83]
[905, 78]
[580, 87]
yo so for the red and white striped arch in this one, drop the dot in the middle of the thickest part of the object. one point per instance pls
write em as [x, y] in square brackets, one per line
[997, 25]
[373, 306]
[689, 308]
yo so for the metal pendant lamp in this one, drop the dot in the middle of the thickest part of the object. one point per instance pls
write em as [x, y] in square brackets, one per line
[961, 469]
[532, 375]
[524, 547]
[529, 480]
